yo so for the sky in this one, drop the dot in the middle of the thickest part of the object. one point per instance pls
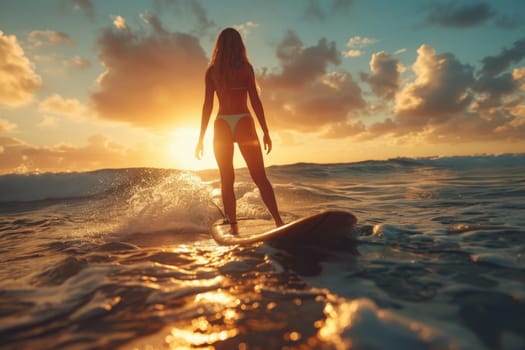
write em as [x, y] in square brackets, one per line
[92, 84]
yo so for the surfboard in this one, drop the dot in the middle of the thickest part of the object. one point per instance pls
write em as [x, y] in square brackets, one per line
[312, 229]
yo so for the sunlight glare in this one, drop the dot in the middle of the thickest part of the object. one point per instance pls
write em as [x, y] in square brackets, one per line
[201, 333]
[181, 150]
[217, 297]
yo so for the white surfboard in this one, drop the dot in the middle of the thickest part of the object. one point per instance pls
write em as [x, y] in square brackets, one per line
[311, 229]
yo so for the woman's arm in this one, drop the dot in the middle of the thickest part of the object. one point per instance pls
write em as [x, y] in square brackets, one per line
[258, 109]
[206, 112]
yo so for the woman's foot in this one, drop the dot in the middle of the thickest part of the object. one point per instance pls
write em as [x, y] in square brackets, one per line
[234, 228]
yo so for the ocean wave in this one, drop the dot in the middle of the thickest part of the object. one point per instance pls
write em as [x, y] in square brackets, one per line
[479, 161]
[35, 187]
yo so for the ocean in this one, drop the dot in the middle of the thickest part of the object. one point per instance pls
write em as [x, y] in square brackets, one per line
[123, 259]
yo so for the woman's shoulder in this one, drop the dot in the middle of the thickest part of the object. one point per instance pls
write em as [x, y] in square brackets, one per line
[210, 72]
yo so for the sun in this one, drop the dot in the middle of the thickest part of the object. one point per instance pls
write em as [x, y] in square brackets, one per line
[181, 150]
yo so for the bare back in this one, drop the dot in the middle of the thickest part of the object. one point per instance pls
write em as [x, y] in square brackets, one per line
[233, 96]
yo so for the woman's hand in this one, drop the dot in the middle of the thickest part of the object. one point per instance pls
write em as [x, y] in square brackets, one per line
[267, 143]
[199, 150]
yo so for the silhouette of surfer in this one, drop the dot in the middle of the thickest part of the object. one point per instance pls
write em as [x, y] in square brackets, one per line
[230, 75]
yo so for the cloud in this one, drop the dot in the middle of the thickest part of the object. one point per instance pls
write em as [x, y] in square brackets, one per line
[205, 24]
[518, 74]
[151, 80]
[6, 125]
[494, 65]
[441, 105]
[300, 65]
[457, 15]
[453, 14]
[470, 127]
[99, 152]
[359, 42]
[495, 81]
[400, 51]
[48, 38]
[440, 90]
[185, 8]
[519, 112]
[246, 28]
[353, 53]
[85, 6]
[385, 77]
[56, 104]
[356, 43]
[120, 23]
[314, 10]
[508, 22]
[345, 129]
[492, 89]
[303, 94]
[77, 62]
[18, 80]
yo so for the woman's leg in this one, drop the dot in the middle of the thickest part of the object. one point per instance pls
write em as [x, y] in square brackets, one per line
[223, 149]
[251, 152]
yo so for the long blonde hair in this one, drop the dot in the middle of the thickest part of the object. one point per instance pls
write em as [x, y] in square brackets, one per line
[229, 54]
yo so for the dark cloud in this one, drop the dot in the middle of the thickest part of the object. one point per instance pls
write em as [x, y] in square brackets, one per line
[304, 94]
[494, 65]
[315, 11]
[151, 80]
[452, 14]
[508, 22]
[385, 78]
[493, 88]
[495, 82]
[301, 65]
[205, 24]
[185, 8]
[155, 23]
[463, 15]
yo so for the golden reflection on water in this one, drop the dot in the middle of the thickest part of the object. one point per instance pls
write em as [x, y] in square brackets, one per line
[219, 297]
[188, 339]
[201, 333]
[222, 311]
[336, 321]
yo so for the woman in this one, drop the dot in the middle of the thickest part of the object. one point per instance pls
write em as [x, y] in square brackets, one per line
[231, 76]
